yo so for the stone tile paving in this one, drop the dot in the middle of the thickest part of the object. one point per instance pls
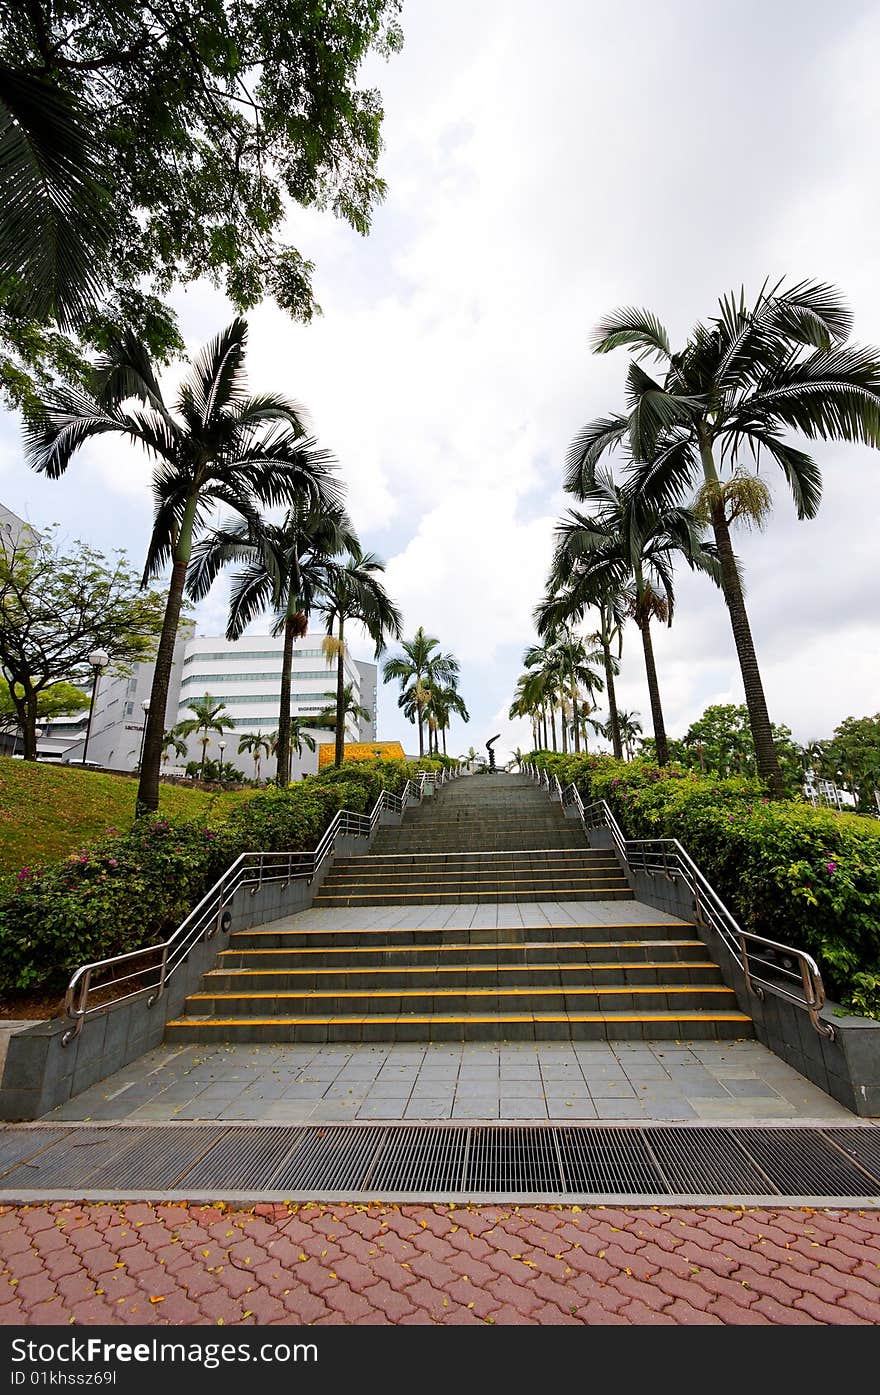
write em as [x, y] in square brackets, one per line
[176, 1263]
[721, 1082]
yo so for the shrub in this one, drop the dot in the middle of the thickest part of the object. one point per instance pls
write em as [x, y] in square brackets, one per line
[128, 891]
[805, 876]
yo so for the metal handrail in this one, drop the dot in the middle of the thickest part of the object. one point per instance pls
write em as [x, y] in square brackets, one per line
[668, 858]
[146, 972]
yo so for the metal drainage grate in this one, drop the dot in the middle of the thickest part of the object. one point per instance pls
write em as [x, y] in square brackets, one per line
[592, 1162]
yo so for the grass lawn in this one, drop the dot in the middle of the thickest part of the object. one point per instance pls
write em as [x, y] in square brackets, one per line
[49, 811]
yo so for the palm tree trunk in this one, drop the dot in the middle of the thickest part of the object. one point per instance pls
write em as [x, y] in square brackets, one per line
[444, 741]
[282, 773]
[574, 718]
[613, 720]
[553, 724]
[564, 725]
[731, 585]
[421, 736]
[543, 712]
[147, 801]
[204, 740]
[654, 692]
[340, 697]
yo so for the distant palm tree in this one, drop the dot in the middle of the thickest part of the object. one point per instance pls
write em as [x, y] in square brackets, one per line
[446, 702]
[740, 384]
[353, 592]
[630, 730]
[256, 745]
[217, 446]
[286, 567]
[173, 744]
[331, 717]
[628, 549]
[209, 716]
[419, 669]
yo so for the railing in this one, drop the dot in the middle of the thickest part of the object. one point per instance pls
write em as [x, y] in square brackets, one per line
[780, 969]
[145, 972]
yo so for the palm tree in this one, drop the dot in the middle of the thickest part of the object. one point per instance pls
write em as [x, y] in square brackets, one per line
[418, 670]
[221, 446]
[542, 688]
[630, 730]
[576, 666]
[627, 548]
[256, 745]
[444, 703]
[551, 613]
[740, 385]
[209, 716]
[173, 744]
[524, 705]
[286, 568]
[337, 713]
[353, 591]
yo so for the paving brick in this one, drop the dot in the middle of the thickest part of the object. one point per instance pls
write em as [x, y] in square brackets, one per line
[862, 1307]
[781, 1314]
[834, 1314]
[685, 1316]
[735, 1314]
[809, 1283]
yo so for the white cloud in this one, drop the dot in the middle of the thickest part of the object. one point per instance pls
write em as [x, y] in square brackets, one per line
[544, 164]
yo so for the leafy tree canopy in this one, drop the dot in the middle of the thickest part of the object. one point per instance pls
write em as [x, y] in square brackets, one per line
[58, 700]
[720, 743]
[58, 607]
[190, 129]
[852, 756]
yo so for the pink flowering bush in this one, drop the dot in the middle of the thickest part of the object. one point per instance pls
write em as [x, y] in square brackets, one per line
[131, 890]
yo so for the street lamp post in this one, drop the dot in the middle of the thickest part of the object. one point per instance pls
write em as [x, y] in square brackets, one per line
[222, 745]
[146, 706]
[99, 658]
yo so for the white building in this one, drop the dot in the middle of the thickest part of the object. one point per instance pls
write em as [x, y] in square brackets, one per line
[244, 675]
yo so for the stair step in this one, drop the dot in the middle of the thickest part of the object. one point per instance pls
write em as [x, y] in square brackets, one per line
[282, 978]
[564, 952]
[484, 897]
[546, 997]
[407, 935]
[534, 881]
[505, 1026]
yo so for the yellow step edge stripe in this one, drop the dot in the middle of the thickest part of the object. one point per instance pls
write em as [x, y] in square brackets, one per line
[471, 877]
[418, 1019]
[537, 990]
[481, 929]
[413, 929]
[468, 948]
[402, 898]
[476, 968]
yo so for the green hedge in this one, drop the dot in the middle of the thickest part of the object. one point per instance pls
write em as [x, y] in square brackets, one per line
[130, 890]
[806, 876]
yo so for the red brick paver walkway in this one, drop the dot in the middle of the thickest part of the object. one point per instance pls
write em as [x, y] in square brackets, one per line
[171, 1263]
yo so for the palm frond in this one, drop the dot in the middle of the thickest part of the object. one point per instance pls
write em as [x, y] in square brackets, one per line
[587, 448]
[54, 215]
[633, 326]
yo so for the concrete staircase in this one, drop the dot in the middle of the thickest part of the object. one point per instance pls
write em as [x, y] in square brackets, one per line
[488, 838]
[447, 975]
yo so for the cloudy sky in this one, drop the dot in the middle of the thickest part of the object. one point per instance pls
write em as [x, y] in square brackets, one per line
[546, 161]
